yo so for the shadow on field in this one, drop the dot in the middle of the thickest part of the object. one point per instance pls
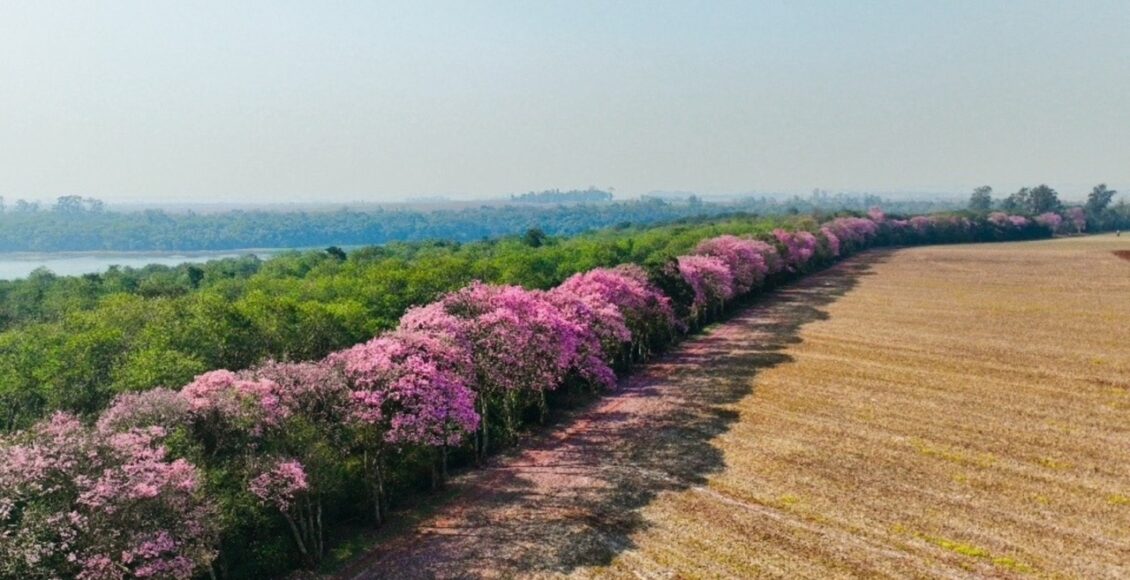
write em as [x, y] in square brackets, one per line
[572, 497]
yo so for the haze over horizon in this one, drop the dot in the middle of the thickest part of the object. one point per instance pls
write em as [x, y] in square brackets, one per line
[259, 102]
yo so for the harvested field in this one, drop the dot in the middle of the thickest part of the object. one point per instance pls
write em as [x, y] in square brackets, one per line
[949, 411]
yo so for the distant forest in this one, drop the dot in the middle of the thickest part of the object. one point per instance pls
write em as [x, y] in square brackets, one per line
[76, 223]
[591, 194]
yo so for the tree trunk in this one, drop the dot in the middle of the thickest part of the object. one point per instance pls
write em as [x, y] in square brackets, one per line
[321, 530]
[485, 428]
[297, 537]
[376, 483]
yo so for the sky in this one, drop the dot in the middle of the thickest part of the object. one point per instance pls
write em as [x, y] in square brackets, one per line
[309, 101]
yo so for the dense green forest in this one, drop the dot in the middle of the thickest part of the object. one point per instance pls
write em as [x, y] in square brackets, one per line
[74, 223]
[73, 342]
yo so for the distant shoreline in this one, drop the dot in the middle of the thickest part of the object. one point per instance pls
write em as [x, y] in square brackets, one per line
[20, 265]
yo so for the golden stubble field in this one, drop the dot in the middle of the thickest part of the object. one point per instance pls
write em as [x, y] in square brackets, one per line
[959, 411]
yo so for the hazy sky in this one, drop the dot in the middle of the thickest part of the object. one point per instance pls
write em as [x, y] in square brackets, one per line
[253, 101]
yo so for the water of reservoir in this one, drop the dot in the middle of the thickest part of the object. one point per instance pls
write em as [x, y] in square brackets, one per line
[18, 265]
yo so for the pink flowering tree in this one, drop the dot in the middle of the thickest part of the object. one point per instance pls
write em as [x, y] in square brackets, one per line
[226, 408]
[831, 241]
[921, 225]
[283, 485]
[601, 333]
[276, 410]
[316, 391]
[646, 312]
[408, 388]
[710, 279]
[853, 234]
[1078, 218]
[158, 407]
[317, 435]
[521, 346]
[81, 504]
[897, 225]
[797, 248]
[998, 218]
[743, 257]
[1051, 220]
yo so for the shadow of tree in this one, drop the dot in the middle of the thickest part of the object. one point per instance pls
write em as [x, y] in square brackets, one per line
[572, 496]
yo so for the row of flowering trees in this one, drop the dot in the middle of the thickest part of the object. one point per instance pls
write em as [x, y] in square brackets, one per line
[251, 466]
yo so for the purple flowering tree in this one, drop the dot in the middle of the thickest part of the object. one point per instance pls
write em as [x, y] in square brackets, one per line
[743, 257]
[521, 346]
[1051, 220]
[283, 485]
[798, 248]
[1078, 218]
[646, 312]
[408, 388]
[82, 504]
[315, 443]
[601, 332]
[710, 279]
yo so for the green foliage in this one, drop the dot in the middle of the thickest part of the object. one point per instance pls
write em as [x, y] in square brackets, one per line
[1033, 201]
[150, 366]
[73, 342]
[982, 199]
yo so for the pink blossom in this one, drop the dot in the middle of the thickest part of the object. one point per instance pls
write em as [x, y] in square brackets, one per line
[832, 239]
[280, 484]
[799, 247]
[1078, 218]
[222, 394]
[415, 387]
[643, 310]
[920, 224]
[710, 278]
[518, 339]
[98, 503]
[157, 407]
[600, 331]
[743, 257]
[317, 390]
[99, 567]
[1051, 220]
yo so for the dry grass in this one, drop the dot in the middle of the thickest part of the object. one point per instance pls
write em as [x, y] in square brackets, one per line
[956, 411]
[963, 411]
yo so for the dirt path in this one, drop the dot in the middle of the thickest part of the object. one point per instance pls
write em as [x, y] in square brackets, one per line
[931, 412]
